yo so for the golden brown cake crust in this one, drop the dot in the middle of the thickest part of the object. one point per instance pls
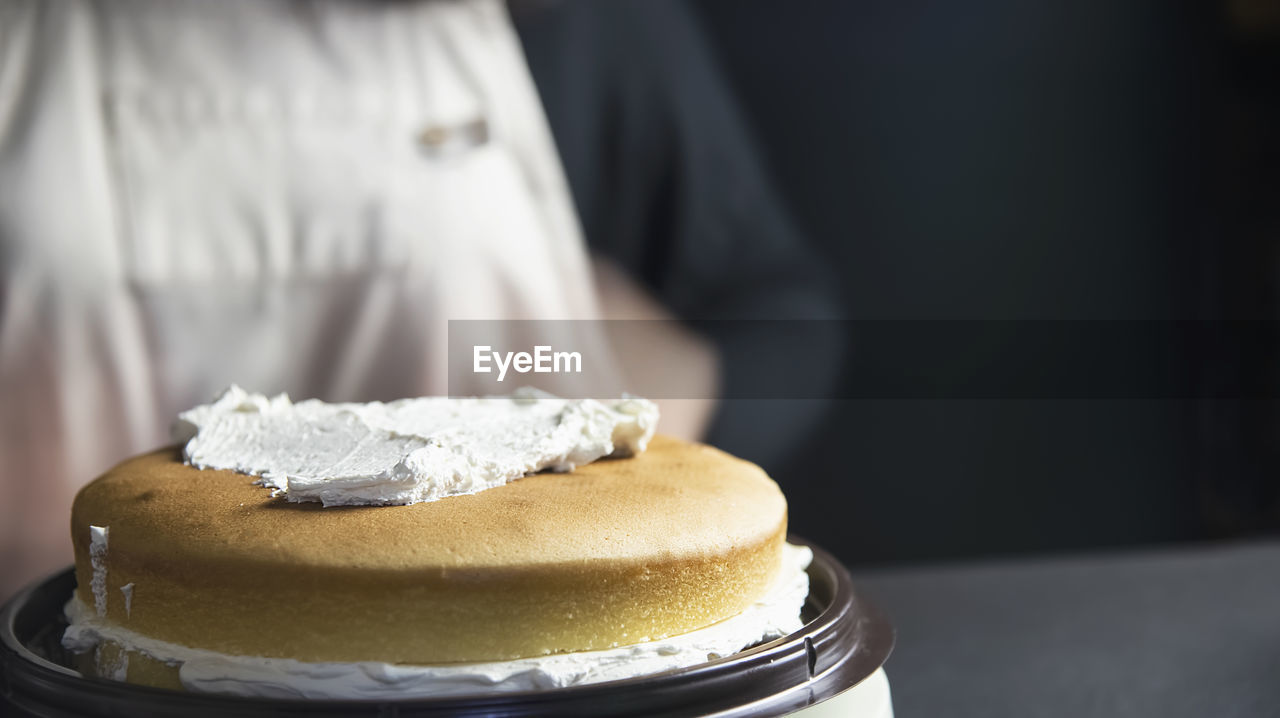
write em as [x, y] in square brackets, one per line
[616, 552]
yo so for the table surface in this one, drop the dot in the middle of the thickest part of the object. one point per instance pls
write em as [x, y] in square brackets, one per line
[1171, 632]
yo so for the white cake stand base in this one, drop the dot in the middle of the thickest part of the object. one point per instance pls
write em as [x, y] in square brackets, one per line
[868, 699]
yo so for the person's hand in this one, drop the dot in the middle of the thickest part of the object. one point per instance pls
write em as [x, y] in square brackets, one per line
[647, 358]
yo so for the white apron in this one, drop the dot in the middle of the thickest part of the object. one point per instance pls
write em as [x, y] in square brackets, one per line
[293, 196]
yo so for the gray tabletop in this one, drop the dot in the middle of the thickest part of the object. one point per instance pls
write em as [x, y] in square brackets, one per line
[1187, 631]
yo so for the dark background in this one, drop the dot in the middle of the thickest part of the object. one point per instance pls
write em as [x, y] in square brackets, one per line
[1002, 159]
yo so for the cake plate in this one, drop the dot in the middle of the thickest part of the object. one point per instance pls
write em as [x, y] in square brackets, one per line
[831, 666]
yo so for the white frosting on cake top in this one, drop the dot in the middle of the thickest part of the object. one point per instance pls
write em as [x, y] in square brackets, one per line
[406, 451]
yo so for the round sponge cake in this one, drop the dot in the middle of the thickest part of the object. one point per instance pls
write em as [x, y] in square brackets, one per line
[616, 552]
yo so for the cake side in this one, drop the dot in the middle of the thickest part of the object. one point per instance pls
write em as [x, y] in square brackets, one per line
[616, 552]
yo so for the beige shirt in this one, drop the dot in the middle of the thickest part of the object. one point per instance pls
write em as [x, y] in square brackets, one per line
[292, 196]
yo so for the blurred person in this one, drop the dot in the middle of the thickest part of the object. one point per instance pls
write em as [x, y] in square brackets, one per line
[297, 196]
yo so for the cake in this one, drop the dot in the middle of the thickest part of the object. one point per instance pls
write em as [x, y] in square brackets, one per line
[204, 579]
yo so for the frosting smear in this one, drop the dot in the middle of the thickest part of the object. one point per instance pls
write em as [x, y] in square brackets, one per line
[406, 451]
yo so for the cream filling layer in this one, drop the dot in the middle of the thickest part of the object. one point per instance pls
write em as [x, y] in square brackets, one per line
[774, 615]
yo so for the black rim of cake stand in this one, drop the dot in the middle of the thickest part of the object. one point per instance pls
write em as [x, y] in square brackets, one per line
[845, 639]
